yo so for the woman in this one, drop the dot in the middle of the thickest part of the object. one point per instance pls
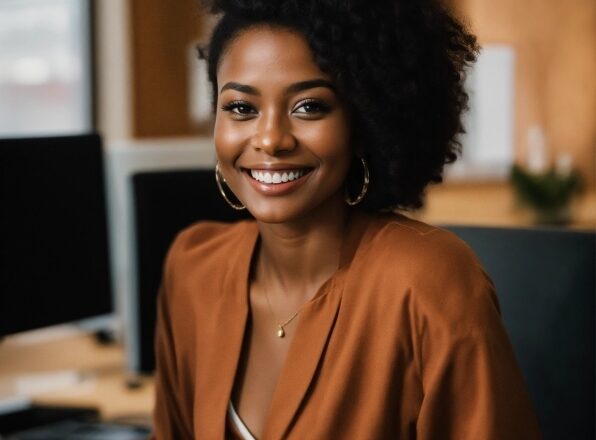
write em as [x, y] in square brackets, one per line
[322, 318]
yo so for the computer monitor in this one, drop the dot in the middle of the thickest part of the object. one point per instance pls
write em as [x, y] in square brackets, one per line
[54, 265]
[165, 202]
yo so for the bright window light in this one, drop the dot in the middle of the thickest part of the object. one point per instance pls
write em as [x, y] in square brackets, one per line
[45, 68]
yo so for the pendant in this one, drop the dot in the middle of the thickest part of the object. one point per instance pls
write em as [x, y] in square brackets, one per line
[280, 331]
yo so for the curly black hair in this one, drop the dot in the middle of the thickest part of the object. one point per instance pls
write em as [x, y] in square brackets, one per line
[398, 64]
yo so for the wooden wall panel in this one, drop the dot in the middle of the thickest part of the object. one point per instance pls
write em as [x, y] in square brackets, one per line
[162, 33]
[555, 43]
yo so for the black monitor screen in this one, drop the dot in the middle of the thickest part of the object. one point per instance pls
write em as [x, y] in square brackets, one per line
[54, 265]
[166, 202]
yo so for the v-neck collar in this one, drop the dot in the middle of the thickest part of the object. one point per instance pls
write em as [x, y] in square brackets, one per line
[313, 328]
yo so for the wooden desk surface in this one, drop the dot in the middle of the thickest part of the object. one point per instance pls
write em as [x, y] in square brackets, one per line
[104, 379]
[493, 204]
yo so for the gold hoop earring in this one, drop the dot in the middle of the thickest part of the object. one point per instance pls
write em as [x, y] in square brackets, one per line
[364, 189]
[218, 179]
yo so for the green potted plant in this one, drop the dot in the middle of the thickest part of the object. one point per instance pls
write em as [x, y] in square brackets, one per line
[548, 193]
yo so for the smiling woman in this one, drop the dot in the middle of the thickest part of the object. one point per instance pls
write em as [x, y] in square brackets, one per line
[324, 318]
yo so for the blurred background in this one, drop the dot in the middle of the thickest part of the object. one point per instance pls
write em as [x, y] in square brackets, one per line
[127, 69]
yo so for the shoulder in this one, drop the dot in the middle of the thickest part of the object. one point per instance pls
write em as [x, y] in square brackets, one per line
[206, 237]
[205, 250]
[417, 246]
[437, 270]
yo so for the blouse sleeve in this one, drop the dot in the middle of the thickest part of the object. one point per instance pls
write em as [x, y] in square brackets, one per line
[169, 420]
[172, 417]
[472, 386]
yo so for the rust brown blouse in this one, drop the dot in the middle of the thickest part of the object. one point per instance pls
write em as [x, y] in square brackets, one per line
[404, 341]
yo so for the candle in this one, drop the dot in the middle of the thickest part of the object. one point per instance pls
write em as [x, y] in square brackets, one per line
[536, 149]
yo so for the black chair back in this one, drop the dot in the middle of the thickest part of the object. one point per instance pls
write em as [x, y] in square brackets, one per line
[545, 281]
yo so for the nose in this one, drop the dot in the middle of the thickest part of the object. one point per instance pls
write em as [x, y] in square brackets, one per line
[273, 134]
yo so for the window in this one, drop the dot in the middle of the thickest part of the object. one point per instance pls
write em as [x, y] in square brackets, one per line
[45, 67]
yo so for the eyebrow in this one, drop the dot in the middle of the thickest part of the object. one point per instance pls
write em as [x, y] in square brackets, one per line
[294, 88]
[240, 88]
[310, 84]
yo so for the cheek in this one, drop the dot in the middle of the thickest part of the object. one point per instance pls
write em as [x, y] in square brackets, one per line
[329, 142]
[228, 140]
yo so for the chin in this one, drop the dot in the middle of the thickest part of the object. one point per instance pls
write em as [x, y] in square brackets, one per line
[275, 213]
[287, 211]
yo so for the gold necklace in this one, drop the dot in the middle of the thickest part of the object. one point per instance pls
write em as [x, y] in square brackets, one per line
[280, 325]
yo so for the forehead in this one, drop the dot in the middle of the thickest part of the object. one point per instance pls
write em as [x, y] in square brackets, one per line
[268, 55]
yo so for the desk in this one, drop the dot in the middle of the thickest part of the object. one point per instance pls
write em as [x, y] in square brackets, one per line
[105, 386]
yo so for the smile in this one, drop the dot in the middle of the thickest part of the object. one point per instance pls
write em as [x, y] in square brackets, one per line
[277, 177]
[277, 182]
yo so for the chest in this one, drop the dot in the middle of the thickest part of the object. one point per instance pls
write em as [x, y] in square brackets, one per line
[265, 347]
[340, 365]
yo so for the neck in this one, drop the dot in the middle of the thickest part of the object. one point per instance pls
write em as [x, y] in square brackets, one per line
[296, 257]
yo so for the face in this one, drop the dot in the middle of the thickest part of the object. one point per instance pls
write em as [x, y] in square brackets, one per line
[281, 133]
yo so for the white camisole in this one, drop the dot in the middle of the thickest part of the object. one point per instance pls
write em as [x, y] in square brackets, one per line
[239, 424]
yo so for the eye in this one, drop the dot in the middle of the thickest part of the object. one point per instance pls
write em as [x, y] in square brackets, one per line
[311, 108]
[240, 109]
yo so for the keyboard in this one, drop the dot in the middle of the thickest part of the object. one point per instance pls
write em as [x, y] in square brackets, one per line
[77, 430]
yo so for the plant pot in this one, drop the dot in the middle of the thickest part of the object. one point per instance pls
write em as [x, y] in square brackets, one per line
[559, 215]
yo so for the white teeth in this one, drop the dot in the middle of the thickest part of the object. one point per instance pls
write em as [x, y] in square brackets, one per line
[275, 178]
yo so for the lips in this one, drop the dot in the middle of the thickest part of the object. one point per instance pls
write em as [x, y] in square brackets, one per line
[274, 182]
